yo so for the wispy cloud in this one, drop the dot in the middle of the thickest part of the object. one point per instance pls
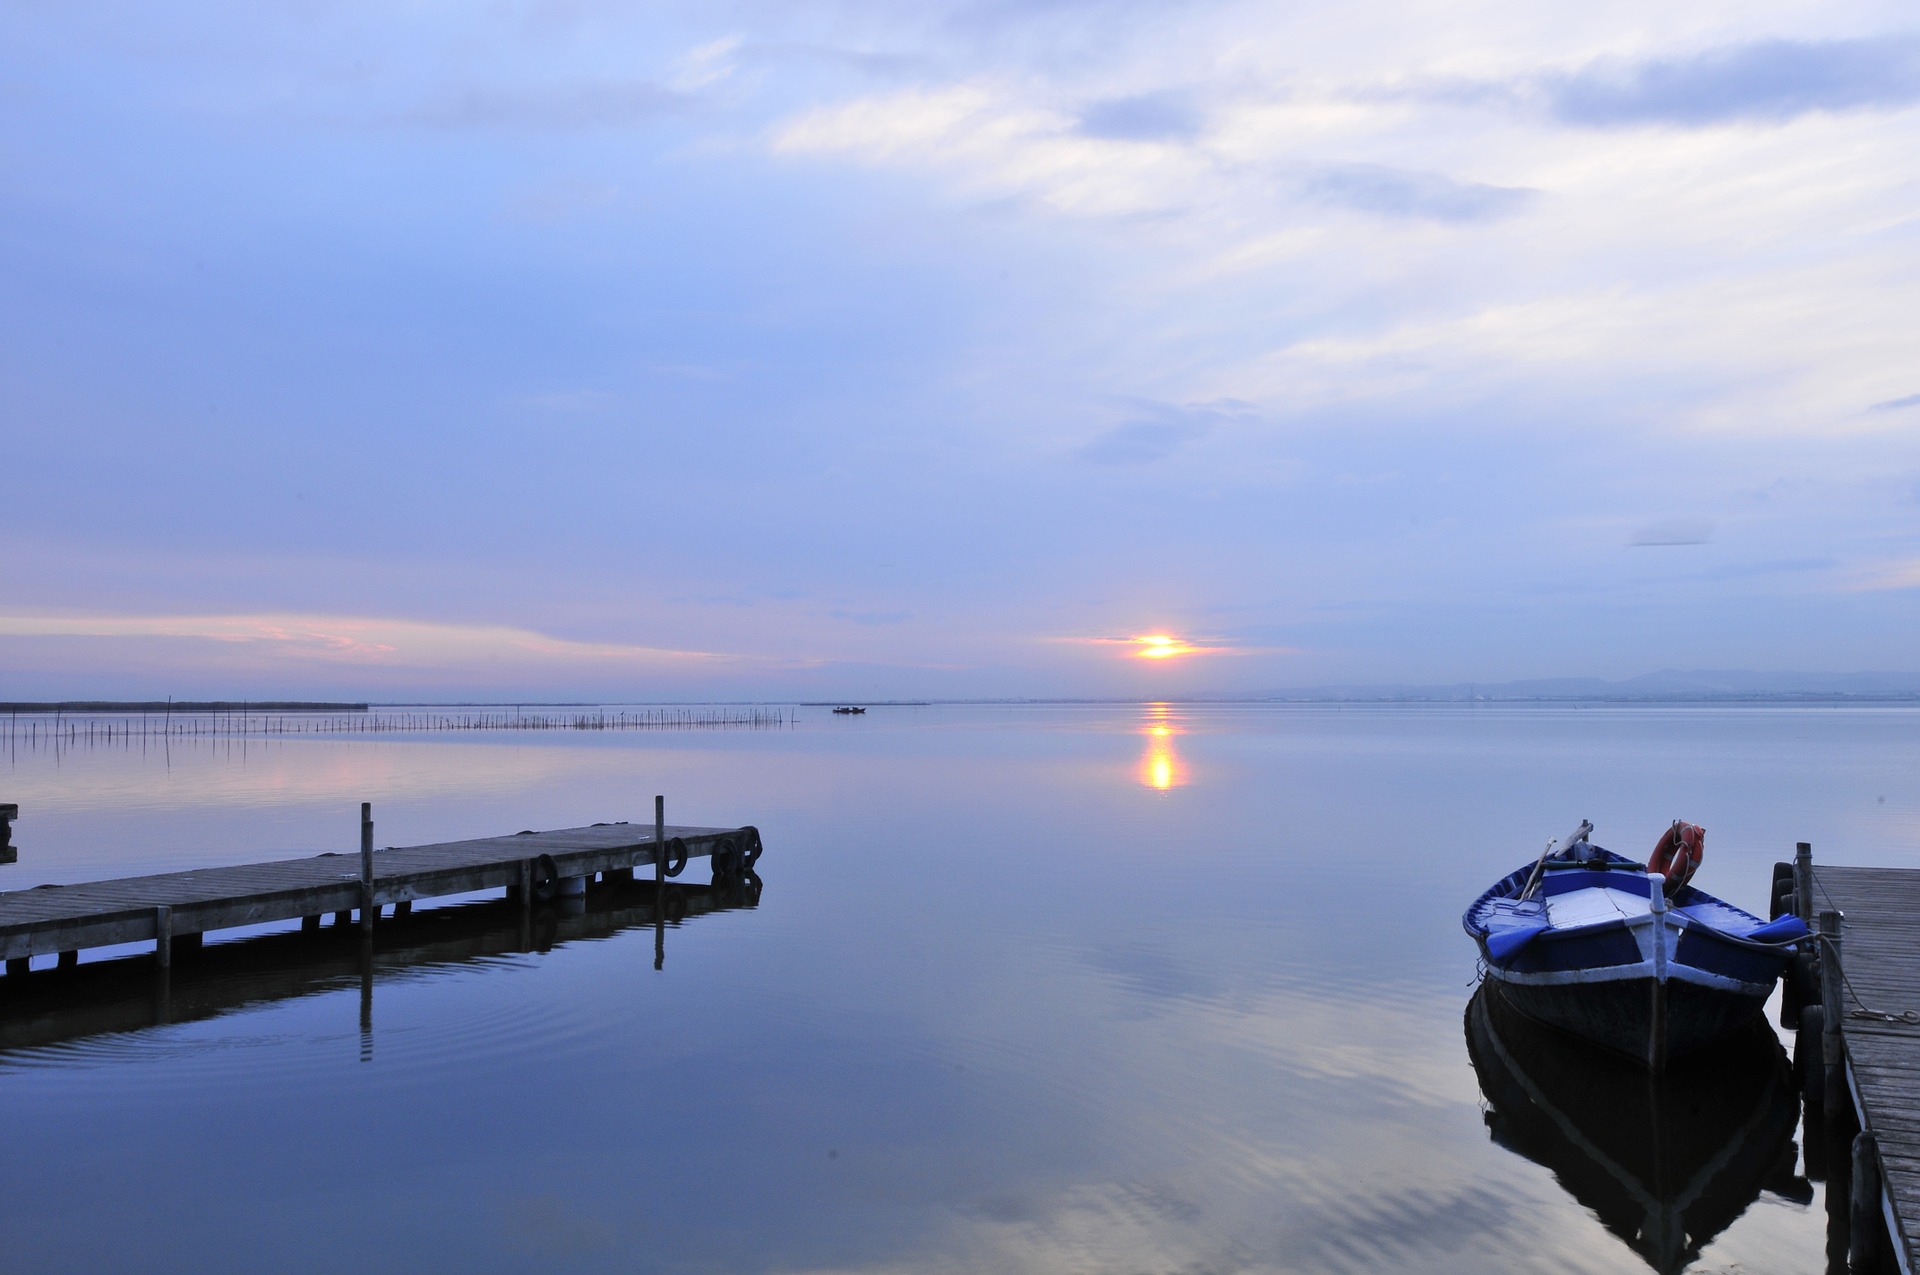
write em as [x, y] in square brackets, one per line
[1897, 404]
[1887, 576]
[572, 107]
[1158, 431]
[1142, 117]
[1672, 531]
[1139, 442]
[1765, 80]
[1398, 192]
[1163, 645]
[354, 640]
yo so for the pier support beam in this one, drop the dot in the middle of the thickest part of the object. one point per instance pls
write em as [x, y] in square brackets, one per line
[1833, 1050]
[659, 882]
[1864, 1218]
[1803, 881]
[163, 937]
[19, 965]
[369, 910]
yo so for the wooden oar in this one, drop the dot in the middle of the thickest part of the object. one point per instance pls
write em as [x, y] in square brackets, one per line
[1573, 838]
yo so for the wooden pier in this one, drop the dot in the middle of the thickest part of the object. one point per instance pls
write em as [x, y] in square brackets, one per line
[171, 909]
[113, 996]
[1869, 1018]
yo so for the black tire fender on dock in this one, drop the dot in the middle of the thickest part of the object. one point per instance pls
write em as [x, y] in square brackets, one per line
[676, 861]
[545, 877]
[725, 858]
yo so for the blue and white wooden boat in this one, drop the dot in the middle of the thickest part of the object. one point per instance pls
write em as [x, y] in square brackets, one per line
[1590, 942]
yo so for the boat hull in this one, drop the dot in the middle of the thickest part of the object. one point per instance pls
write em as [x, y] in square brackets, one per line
[1644, 1018]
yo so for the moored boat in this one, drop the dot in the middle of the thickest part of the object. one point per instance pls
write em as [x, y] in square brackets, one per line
[1628, 955]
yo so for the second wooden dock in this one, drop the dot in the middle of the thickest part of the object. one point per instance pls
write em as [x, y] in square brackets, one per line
[173, 907]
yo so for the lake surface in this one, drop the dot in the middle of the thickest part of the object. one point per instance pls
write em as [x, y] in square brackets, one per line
[1028, 988]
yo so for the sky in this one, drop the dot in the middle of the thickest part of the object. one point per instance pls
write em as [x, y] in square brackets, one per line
[860, 350]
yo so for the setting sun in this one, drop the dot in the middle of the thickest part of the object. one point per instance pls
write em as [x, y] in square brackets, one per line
[1162, 646]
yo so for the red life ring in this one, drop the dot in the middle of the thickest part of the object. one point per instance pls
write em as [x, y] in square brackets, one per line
[1677, 857]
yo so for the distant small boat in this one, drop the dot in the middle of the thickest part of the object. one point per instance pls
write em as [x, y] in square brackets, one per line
[1635, 960]
[849, 708]
[1665, 1162]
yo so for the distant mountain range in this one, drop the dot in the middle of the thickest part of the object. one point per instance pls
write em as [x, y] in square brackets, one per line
[1668, 685]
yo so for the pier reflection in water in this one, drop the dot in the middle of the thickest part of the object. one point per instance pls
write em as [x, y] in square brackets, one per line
[55, 1006]
[1666, 1162]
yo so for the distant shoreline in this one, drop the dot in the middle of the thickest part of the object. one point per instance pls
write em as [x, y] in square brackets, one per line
[181, 706]
[1810, 699]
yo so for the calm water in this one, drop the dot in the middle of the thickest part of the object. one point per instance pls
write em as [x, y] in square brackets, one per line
[1028, 989]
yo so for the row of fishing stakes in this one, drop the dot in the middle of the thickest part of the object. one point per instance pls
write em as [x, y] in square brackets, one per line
[1824, 1073]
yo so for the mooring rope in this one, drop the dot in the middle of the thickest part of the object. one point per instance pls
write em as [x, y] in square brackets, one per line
[1910, 1017]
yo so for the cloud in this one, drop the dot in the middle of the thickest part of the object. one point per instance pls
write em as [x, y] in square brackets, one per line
[573, 108]
[1397, 192]
[1148, 117]
[1155, 647]
[1673, 531]
[1897, 404]
[352, 639]
[1139, 442]
[1163, 430]
[1764, 80]
[1888, 576]
[993, 144]
[872, 618]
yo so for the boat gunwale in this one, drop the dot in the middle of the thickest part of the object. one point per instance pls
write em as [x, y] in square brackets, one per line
[1686, 897]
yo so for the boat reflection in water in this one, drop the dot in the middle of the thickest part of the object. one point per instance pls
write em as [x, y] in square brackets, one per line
[59, 1005]
[1665, 1161]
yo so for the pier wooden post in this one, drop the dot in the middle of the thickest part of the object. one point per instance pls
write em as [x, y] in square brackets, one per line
[1863, 1218]
[163, 937]
[1803, 881]
[367, 907]
[1833, 1011]
[659, 882]
[659, 840]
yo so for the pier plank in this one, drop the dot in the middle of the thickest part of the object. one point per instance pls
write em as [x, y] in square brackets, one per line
[70, 917]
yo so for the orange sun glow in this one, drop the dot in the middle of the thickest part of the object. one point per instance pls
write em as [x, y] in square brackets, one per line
[1162, 646]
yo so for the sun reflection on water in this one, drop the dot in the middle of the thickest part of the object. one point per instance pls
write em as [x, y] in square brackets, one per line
[1160, 766]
